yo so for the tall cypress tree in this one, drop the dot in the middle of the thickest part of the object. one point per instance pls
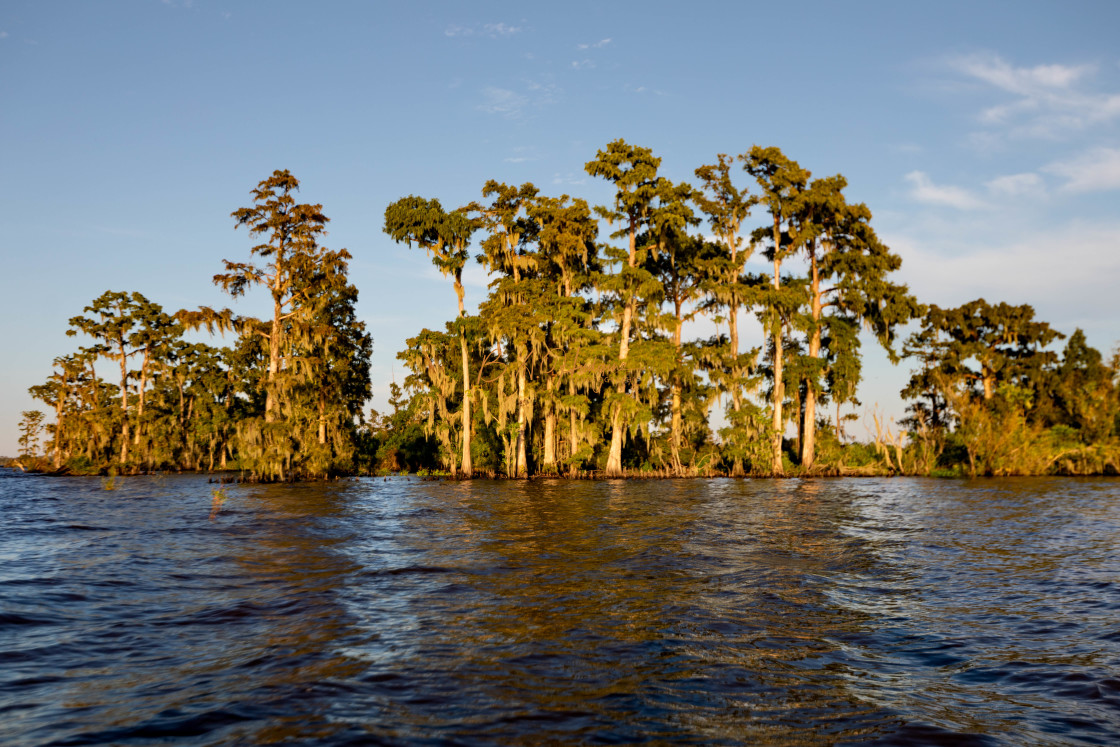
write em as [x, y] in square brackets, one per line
[291, 231]
[781, 181]
[633, 171]
[674, 260]
[113, 317]
[303, 279]
[848, 285]
[445, 236]
[510, 312]
[726, 207]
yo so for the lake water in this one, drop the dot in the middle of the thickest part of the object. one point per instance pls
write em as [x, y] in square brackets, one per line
[403, 611]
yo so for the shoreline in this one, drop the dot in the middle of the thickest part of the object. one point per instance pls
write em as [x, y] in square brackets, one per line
[231, 477]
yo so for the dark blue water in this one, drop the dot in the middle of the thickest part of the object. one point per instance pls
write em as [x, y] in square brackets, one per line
[703, 611]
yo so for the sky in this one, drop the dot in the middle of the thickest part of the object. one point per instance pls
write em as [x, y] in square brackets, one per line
[984, 137]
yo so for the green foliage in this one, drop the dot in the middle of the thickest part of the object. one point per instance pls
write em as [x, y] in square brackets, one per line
[282, 403]
[445, 237]
[30, 428]
[637, 396]
[1001, 403]
[577, 358]
[979, 345]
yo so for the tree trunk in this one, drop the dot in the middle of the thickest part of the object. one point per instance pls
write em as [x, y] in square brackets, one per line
[322, 418]
[676, 426]
[190, 444]
[65, 443]
[809, 440]
[59, 405]
[140, 396]
[736, 373]
[124, 404]
[736, 369]
[614, 458]
[521, 467]
[182, 414]
[799, 416]
[59, 408]
[675, 436]
[147, 460]
[548, 462]
[270, 403]
[778, 422]
[98, 442]
[573, 433]
[467, 468]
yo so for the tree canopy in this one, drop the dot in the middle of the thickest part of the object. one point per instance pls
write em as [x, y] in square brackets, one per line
[578, 360]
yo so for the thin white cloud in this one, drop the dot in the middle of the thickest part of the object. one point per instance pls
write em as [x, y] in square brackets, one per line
[522, 154]
[986, 142]
[569, 179]
[1068, 273]
[582, 64]
[1027, 81]
[501, 29]
[542, 94]
[1014, 185]
[1096, 170]
[1048, 100]
[597, 45]
[3, 34]
[925, 191]
[503, 101]
[492, 30]
[514, 104]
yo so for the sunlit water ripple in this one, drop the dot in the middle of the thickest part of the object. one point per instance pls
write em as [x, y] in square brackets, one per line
[404, 611]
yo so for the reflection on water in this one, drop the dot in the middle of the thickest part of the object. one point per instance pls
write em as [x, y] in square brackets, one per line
[707, 611]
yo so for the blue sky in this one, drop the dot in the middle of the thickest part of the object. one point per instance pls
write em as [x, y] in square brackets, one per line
[985, 138]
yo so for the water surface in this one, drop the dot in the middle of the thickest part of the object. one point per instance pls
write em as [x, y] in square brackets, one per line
[403, 611]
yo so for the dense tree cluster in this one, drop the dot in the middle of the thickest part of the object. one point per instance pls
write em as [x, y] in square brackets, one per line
[576, 361]
[283, 402]
[989, 396]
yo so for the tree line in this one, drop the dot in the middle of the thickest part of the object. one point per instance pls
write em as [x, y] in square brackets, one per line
[283, 402]
[576, 362]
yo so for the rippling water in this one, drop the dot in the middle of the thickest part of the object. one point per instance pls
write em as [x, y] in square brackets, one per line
[402, 611]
